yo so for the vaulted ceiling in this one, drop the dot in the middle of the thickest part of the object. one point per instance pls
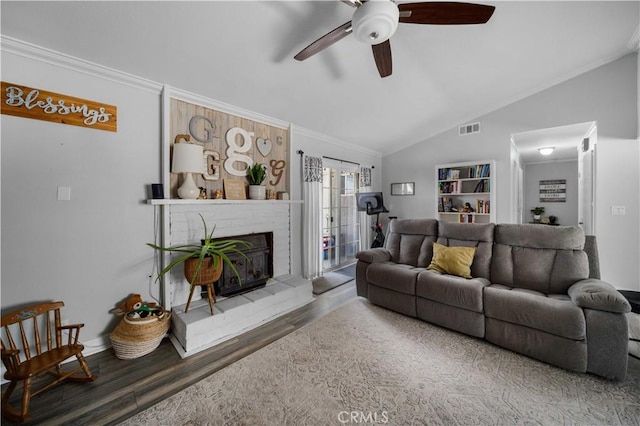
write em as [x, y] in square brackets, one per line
[241, 52]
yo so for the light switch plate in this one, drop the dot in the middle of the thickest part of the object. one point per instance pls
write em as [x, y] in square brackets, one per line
[618, 210]
[64, 193]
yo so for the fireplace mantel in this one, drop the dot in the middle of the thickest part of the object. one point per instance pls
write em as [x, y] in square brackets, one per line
[163, 202]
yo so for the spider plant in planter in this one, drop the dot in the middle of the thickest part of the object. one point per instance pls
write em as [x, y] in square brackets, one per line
[256, 175]
[203, 262]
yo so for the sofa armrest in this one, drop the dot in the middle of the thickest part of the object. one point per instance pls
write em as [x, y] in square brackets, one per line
[599, 295]
[365, 259]
[374, 255]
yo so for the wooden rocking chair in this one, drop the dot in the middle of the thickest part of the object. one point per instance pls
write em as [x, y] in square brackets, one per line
[37, 353]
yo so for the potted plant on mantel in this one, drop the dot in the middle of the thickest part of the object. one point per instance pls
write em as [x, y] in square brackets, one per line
[537, 212]
[203, 262]
[256, 175]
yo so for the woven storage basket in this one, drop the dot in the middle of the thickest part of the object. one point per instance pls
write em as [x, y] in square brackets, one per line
[132, 340]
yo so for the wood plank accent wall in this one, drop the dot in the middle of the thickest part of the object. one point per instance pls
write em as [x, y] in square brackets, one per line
[209, 128]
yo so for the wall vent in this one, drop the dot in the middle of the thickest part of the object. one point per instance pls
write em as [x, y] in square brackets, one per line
[467, 129]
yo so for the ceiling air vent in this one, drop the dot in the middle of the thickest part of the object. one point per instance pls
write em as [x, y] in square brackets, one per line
[467, 129]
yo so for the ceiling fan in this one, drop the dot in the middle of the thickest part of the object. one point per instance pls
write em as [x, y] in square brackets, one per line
[375, 21]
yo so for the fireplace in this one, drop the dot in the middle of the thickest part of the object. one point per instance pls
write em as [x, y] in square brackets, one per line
[197, 329]
[253, 272]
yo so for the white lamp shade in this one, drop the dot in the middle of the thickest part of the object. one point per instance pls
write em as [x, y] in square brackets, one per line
[187, 158]
[375, 21]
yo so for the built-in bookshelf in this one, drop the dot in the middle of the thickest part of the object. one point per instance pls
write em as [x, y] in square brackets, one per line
[465, 192]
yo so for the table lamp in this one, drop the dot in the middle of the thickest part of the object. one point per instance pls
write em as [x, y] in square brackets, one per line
[188, 158]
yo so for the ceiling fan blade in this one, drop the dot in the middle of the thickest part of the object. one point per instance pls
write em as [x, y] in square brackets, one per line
[382, 56]
[325, 41]
[354, 3]
[445, 13]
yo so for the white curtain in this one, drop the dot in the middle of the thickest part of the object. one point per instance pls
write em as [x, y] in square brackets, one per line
[312, 214]
[365, 219]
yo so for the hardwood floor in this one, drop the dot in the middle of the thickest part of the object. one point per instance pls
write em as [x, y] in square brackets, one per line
[125, 388]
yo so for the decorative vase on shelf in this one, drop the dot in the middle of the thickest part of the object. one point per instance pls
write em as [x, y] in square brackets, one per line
[256, 175]
[257, 192]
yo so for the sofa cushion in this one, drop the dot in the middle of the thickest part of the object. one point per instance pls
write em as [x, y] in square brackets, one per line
[451, 290]
[452, 260]
[409, 241]
[478, 235]
[540, 236]
[548, 259]
[555, 314]
[394, 276]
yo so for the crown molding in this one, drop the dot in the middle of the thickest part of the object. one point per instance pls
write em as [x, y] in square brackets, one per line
[58, 59]
[55, 58]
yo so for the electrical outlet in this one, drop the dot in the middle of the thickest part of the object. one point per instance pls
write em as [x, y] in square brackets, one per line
[618, 210]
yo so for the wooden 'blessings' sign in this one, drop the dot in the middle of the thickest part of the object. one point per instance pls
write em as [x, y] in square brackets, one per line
[27, 102]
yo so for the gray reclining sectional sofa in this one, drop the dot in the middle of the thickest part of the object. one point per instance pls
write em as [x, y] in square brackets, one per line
[531, 290]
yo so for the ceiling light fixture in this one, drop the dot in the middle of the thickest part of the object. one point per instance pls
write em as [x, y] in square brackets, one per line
[546, 151]
[375, 21]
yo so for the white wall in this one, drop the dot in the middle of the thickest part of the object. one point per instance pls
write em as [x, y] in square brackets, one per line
[91, 251]
[608, 95]
[566, 212]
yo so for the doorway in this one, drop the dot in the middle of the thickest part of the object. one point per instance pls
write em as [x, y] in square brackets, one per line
[569, 166]
[586, 180]
[340, 219]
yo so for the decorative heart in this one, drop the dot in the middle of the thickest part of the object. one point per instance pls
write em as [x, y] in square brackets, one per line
[264, 146]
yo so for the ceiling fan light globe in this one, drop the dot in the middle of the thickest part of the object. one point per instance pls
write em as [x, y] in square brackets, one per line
[375, 21]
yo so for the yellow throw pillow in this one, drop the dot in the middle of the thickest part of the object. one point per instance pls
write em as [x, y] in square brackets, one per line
[452, 260]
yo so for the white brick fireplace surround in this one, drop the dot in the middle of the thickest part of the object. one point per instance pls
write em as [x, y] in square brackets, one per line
[198, 329]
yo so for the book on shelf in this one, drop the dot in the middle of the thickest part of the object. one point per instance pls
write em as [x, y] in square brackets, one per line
[450, 187]
[445, 204]
[448, 174]
[479, 171]
[482, 206]
[474, 172]
[465, 218]
[482, 186]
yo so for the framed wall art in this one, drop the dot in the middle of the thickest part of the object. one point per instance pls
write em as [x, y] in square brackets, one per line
[553, 191]
[403, 188]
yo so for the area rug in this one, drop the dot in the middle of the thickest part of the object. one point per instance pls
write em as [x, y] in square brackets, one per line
[328, 281]
[364, 364]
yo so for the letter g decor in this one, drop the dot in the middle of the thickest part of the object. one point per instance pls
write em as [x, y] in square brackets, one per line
[234, 149]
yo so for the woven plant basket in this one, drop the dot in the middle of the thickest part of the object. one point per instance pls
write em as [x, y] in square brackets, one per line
[206, 275]
[132, 340]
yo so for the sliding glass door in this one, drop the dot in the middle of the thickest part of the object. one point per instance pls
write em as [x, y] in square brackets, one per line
[340, 225]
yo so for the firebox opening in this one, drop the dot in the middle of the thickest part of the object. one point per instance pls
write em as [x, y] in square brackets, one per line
[255, 272]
